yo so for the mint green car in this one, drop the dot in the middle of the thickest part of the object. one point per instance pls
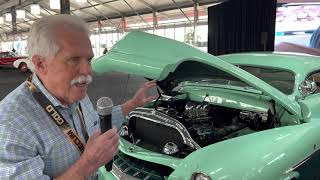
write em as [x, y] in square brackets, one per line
[253, 116]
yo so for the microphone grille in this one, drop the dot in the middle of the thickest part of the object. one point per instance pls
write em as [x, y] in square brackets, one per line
[104, 106]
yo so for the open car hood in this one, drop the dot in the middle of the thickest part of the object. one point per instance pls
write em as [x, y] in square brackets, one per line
[164, 59]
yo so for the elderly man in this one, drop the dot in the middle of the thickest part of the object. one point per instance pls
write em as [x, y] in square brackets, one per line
[61, 138]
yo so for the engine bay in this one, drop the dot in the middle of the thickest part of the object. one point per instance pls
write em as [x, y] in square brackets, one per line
[177, 127]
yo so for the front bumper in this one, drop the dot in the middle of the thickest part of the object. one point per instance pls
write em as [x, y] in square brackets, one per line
[126, 167]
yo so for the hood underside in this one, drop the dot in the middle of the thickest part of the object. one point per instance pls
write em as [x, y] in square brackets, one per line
[170, 62]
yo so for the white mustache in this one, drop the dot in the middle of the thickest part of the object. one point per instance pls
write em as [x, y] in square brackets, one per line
[82, 79]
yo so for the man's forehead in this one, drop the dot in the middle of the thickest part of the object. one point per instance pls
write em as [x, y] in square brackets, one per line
[67, 31]
[72, 37]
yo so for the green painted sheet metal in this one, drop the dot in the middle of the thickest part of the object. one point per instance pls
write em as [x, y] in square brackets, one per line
[155, 57]
[228, 98]
[274, 154]
[141, 153]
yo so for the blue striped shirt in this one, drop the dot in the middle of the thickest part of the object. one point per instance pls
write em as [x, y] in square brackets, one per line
[31, 145]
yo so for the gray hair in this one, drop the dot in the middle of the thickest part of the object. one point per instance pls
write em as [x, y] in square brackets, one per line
[41, 40]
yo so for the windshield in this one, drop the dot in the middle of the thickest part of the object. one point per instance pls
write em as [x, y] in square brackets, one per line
[12, 54]
[192, 71]
[282, 80]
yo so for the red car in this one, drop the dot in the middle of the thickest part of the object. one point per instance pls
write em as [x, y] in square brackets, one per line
[7, 59]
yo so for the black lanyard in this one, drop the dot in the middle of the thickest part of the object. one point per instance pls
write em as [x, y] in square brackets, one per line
[83, 123]
[55, 115]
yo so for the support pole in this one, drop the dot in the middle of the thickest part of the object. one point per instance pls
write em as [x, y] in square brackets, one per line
[155, 20]
[123, 24]
[99, 35]
[65, 6]
[195, 21]
[14, 20]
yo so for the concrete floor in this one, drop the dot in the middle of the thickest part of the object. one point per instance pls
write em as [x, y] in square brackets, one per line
[119, 87]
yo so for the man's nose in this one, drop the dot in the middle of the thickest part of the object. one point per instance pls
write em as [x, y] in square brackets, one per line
[85, 67]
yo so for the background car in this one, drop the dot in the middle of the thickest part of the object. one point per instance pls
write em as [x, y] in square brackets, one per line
[23, 64]
[7, 59]
[239, 116]
[296, 48]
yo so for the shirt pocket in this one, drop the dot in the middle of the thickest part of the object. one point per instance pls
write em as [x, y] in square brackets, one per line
[92, 122]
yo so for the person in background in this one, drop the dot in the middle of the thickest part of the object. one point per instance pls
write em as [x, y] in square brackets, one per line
[105, 50]
[48, 125]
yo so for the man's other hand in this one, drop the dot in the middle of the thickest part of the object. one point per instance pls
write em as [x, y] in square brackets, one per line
[140, 99]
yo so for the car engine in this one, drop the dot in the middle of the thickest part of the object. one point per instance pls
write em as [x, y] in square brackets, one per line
[178, 127]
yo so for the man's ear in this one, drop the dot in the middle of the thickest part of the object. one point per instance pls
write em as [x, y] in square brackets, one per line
[39, 64]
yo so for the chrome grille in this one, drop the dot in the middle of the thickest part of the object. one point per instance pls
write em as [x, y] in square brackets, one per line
[124, 166]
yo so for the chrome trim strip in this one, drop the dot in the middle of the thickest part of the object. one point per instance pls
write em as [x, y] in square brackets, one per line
[161, 118]
[138, 172]
[120, 175]
[300, 163]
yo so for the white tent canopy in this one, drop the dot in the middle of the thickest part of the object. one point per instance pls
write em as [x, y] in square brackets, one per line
[109, 13]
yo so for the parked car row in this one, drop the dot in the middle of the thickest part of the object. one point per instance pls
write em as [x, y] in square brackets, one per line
[12, 60]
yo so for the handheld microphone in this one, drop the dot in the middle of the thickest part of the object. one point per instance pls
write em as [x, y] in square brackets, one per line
[104, 109]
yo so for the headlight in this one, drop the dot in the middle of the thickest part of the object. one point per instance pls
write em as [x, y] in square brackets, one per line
[200, 176]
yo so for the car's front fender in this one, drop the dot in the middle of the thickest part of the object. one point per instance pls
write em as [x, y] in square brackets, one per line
[266, 155]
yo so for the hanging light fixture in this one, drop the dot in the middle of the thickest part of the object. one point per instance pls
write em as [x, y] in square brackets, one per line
[35, 9]
[21, 13]
[1, 20]
[8, 17]
[54, 4]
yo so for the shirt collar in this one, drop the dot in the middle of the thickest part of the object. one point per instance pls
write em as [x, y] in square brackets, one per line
[36, 81]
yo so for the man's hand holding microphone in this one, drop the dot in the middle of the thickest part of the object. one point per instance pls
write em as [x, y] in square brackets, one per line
[102, 146]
